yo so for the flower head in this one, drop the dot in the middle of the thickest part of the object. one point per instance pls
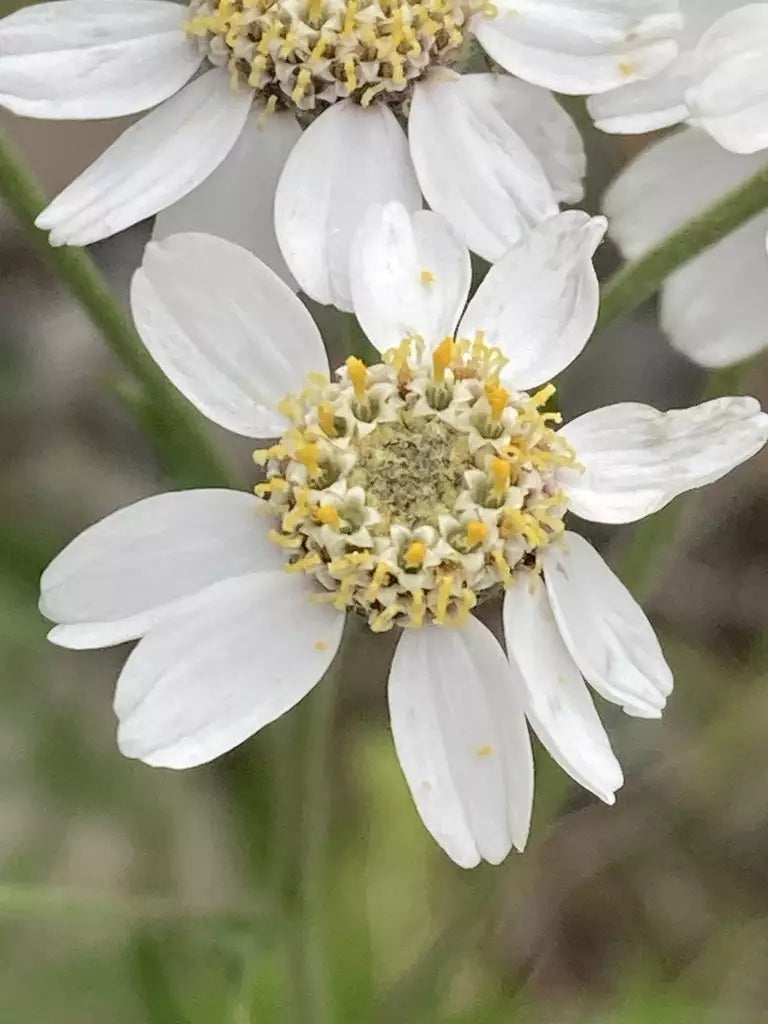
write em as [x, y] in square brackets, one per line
[402, 491]
[236, 80]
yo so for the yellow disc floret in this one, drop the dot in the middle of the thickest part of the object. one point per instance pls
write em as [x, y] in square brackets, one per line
[393, 496]
[307, 54]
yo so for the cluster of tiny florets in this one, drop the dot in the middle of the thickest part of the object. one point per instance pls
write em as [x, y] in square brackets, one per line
[306, 54]
[410, 489]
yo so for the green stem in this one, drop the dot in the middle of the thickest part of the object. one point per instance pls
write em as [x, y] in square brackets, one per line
[639, 280]
[164, 414]
[304, 787]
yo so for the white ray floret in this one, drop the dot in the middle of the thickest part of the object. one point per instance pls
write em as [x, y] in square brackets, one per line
[493, 153]
[403, 492]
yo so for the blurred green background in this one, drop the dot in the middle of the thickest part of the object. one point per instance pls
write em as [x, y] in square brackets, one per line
[136, 896]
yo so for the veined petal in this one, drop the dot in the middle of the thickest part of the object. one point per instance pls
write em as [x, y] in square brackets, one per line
[715, 308]
[124, 574]
[539, 303]
[225, 329]
[557, 702]
[237, 200]
[154, 163]
[350, 158]
[581, 46]
[637, 459]
[460, 734]
[644, 106]
[84, 59]
[729, 91]
[477, 169]
[605, 629]
[209, 677]
[409, 275]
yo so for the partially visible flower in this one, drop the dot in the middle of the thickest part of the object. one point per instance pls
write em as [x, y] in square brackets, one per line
[660, 100]
[715, 308]
[728, 96]
[403, 492]
[493, 153]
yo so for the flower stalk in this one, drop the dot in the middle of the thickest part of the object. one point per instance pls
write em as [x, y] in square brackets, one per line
[163, 414]
[640, 279]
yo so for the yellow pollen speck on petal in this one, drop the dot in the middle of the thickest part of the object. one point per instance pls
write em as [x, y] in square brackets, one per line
[415, 555]
[427, 277]
[442, 357]
[500, 471]
[358, 374]
[484, 751]
[321, 645]
[477, 532]
[626, 68]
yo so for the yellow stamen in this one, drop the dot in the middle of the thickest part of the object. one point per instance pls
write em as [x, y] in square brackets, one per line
[417, 608]
[543, 396]
[503, 567]
[309, 455]
[442, 358]
[384, 618]
[500, 471]
[415, 555]
[358, 374]
[276, 484]
[327, 515]
[285, 542]
[380, 573]
[443, 597]
[498, 399]
[325, 418]
[305, 564]
[477, 532]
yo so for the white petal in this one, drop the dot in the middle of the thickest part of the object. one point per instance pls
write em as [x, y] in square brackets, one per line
[637, 459]
[237, 200]
[473, 163]
[154, 163]
[557, 702]
[729, 94]
[393, 253]
[225, 329]
[84, 59]
[462, 741]
[667, 184]
[208, 678]
[644, 106]
[122, 575]
[715, 308]
[605, 629]
[539, 303]
[583, 47]
[347, 160]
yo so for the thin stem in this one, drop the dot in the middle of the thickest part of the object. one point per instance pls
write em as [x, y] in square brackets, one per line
[170, 421]
[639, 280]
[304, 785]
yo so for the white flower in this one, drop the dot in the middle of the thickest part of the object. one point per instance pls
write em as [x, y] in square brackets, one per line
[403, 522]
[493, 152]
[715, 308]
[660, 101]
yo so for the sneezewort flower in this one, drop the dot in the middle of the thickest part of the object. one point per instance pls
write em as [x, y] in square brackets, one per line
[715, 308]
[405, 493]
[494, 152]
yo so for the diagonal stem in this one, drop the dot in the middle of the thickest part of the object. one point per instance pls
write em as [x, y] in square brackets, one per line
[639, 280]
[165, 416]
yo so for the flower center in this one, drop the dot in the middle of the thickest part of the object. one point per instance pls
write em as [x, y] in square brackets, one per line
[306, 54]
[411, 488]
